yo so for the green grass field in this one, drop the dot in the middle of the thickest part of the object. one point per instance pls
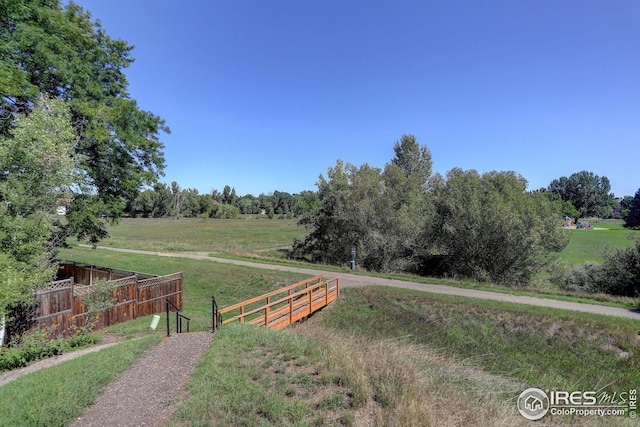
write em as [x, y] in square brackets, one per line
[246, 236]
[589, 245]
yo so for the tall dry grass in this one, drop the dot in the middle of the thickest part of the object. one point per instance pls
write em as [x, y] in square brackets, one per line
[400, 384]
[397, 383]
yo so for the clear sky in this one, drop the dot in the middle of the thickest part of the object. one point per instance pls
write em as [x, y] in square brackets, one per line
[266, 95]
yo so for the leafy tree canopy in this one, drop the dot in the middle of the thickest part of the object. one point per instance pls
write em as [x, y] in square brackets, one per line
[37, 172]
[632, 215]
[588, 192]
[488, 227]
[60, 52]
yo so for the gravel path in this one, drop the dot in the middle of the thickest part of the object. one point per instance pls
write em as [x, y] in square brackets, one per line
[146, 394]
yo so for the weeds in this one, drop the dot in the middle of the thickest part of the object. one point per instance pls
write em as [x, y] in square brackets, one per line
[40, 344]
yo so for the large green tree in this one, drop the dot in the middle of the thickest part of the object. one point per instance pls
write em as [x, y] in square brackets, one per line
[488, 227]
[380, 212]
[37, 173]
[588, 192]
[59, 51]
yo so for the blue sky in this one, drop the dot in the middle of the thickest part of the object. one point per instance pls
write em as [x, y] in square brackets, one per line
[266, 95]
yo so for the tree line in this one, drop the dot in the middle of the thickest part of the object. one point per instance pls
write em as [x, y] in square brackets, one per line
[173, 201]
[487, 227]
[404, 218]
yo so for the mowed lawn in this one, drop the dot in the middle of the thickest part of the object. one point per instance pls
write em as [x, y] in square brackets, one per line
[244, 236]
[589, 245]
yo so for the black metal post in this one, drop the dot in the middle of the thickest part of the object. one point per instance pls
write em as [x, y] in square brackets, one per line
[215, 316]
[166, 303]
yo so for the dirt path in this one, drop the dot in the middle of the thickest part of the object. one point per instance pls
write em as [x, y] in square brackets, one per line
[353, 280]
[148, 393]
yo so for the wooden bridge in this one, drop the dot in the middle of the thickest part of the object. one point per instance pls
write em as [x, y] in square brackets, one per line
[280, 308]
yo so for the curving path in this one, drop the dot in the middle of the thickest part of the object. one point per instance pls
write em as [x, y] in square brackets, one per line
[353, 280]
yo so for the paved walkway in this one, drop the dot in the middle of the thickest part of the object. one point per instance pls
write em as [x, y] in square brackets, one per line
[353, 280]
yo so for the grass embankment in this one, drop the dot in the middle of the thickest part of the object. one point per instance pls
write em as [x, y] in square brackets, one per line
[386, 357]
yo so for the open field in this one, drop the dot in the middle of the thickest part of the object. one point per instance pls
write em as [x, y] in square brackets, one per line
[255, 236]
[246, 236]
[588, 245]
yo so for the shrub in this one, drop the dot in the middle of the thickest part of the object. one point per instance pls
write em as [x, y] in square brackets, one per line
[619, 275]
[622, 271]
[587, 278]
[98, 298]
[41, 344]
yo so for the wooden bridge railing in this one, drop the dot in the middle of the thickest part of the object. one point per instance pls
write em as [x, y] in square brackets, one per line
[285, 306]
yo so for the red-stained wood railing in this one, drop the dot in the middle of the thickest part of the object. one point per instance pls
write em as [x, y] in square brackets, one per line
[282, 307]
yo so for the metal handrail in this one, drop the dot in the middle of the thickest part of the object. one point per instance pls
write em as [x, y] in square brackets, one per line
[216, 317]
[179, 318]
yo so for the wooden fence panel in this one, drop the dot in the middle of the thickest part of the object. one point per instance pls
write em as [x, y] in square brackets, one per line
[61, 304]
[55, 307]
[152, 293]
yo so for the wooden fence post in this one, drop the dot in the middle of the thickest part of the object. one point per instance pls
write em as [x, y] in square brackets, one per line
[266, 313]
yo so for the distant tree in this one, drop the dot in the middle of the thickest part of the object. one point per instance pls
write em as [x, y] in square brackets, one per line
[248, 204]
[143, 204]
[625, 204]
[228, 195]
[266, 202]
[282, 202]
[412, 159]
[221, 211]
[178, 195]
[380, 212]
[632, 218]
[565, 206]
[191, 207]
[306, 202]
[588, 193]
[329, 240]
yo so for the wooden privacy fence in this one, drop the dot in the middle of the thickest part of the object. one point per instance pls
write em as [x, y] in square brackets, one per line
[60, 304]
[285, 306]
